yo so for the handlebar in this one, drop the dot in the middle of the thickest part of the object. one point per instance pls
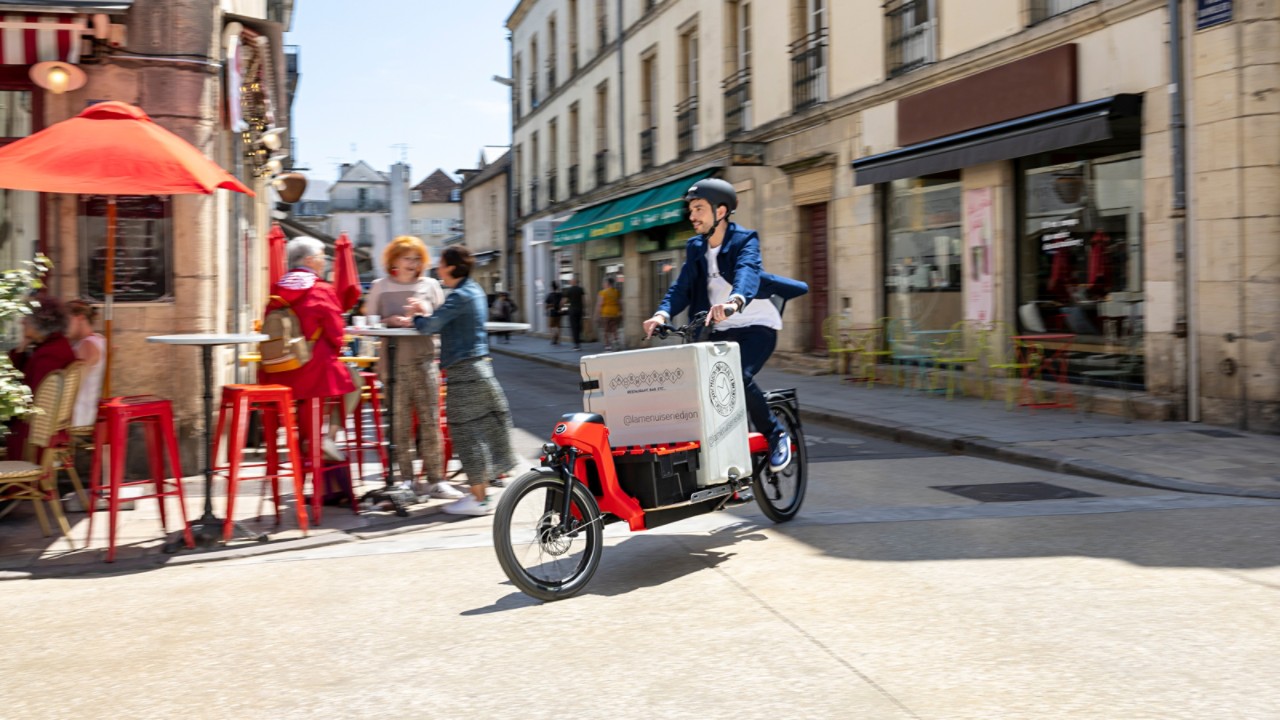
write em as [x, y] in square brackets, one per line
[689, 330]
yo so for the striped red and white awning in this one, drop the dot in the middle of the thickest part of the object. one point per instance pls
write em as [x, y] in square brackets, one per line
[29, 39]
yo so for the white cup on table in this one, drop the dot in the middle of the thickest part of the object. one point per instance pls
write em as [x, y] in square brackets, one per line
[360, 321]
[375, 321]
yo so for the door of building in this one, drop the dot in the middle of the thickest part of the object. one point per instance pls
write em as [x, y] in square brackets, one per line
[813, 219]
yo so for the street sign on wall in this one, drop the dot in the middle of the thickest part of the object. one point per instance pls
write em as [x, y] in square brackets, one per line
[1212, 12]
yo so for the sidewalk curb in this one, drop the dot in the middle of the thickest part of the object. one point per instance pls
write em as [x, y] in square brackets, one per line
[983, 447]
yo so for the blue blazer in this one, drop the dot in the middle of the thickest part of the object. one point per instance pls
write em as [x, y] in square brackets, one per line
[739, 265]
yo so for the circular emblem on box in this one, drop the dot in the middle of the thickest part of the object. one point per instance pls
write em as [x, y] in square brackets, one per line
[561, 428]
[723, 389]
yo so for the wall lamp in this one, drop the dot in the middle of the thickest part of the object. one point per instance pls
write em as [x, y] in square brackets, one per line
[57, 77]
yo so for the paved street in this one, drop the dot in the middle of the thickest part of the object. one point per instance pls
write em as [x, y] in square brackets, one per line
[887, 598]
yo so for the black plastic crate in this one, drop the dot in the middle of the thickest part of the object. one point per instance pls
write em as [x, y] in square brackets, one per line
[658, 477]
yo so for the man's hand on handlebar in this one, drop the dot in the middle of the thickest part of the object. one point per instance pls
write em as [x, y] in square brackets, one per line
[652, 324]
[719, 312]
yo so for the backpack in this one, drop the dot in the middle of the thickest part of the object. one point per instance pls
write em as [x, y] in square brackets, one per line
[285, 347]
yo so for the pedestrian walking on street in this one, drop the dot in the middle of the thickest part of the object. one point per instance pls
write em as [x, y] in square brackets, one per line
[406, 260]
[552, 304]
[476, 407]
[573, 297]
[609, 313]
[504, 310]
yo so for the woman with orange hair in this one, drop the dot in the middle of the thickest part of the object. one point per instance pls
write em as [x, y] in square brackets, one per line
[406, 260]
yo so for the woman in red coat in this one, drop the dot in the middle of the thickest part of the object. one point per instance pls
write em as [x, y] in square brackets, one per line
[316, 304]
[44, 349]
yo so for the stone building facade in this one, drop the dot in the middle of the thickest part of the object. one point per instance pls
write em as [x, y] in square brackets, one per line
[923, 163]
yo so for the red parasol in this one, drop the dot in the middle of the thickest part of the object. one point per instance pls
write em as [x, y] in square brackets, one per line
[111, 148]
[275, 255]
[346, 281]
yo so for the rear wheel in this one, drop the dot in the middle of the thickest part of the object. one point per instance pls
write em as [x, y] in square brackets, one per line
[780, 495]
[536, 551]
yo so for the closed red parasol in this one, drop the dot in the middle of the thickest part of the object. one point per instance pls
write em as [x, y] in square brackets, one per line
[275, 255]
[111, 148]
[346, 281]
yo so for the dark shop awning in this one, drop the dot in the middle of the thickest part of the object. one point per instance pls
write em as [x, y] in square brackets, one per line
[1064, 127]
[661, 205]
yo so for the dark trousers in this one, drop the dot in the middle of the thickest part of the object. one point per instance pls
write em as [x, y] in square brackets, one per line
[755, 345]
[575, 327]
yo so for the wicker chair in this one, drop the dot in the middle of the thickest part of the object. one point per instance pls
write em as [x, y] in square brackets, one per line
[66, 438]
[32, 479]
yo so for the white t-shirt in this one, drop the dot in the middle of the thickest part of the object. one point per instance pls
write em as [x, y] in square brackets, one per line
[85, 412]
[757, 312]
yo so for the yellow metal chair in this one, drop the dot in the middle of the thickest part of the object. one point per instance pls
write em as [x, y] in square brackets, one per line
[840, 345]
[872, 349]
[1008, 360]
[959, 350]
[32, 479]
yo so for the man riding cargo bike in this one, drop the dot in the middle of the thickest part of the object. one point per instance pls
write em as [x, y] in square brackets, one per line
[664, 434]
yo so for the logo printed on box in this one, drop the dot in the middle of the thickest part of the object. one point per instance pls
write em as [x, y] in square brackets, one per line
[723, 388]
[646, 379]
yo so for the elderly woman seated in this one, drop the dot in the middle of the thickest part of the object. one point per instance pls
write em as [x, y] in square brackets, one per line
[44, 349]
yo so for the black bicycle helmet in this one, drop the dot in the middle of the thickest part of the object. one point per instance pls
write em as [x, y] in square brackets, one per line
[715, 191]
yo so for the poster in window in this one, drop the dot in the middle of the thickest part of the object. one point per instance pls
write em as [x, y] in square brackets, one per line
[978, 231]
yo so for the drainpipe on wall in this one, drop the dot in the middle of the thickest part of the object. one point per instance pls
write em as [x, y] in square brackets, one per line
[508, 251]
[1184, 326]
[622, 110]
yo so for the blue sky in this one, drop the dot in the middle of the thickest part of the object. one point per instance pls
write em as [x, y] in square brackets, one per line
[381, 72]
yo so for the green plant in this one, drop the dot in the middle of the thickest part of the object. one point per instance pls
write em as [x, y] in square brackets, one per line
[16, 287]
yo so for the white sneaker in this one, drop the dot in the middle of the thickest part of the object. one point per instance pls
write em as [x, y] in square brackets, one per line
[444, 491]
[469, 506]
[331, 451]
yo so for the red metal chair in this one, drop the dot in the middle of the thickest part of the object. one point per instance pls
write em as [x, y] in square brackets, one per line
[356, 443]
[111, 435]
[275, 403]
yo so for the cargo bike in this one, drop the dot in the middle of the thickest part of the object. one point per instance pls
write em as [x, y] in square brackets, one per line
[663, 437]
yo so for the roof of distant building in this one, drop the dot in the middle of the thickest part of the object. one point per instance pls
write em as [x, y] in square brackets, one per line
[436, 188]
[491, 170]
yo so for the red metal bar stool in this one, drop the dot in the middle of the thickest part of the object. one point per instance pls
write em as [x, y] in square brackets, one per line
[356, 443]
[315, 410]
[275, 403]
[111, 435]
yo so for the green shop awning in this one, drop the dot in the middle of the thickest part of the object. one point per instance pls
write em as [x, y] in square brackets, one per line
[660, 205]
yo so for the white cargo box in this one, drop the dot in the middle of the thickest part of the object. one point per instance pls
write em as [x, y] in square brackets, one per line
[674, 394]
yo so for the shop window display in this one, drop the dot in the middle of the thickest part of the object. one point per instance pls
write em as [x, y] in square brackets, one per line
[1080, 259]
[923, 279]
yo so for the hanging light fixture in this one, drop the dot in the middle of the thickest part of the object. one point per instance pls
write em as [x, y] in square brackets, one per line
[57, 77]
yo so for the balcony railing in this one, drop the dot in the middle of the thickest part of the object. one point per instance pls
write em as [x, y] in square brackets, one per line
[573, 180]
[602, 168]
[553, 193]
[809, 70]
[1042, 10]
[913, 36]
[533, 195]
[737, 102]
[646, 147]
[686, 125]
[358, 206]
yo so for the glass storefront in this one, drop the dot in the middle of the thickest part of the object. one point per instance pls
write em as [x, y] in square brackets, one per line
[923, 279]
[19, 210]
[1080, 259]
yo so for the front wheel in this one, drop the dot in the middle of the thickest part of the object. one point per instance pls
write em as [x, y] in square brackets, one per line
[543, 556]
[780, 495]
